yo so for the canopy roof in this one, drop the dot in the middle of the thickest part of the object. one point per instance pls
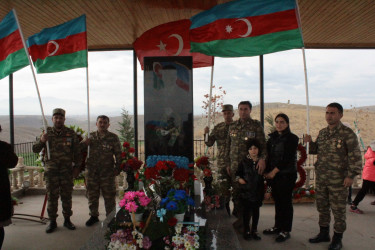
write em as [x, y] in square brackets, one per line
[115, 24]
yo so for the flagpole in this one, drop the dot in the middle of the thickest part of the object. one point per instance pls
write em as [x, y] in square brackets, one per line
[209, 101]
[307, 96]
[34, 76]
[88, 103]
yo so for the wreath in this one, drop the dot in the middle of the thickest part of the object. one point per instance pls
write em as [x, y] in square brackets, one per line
[300, 170]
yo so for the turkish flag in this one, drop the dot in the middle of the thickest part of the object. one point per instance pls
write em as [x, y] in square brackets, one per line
[169, 39]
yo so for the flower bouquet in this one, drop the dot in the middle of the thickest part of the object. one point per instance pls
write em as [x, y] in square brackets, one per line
[129, 164]
[135, 202]
[185, 238]
[129, 238]
[177, 201]
[304, 194]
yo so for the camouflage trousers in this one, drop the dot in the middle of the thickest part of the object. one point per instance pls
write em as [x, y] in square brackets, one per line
[59, 184]
[105, 183]
[331, 196]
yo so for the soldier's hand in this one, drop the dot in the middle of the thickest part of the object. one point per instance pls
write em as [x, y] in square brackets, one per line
[206, 130]
[241, 181]
[44, 137]
[307, 138]
[348, 182]
[261, 166]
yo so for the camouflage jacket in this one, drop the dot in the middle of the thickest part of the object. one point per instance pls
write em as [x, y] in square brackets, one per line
[337, 150]
[63, 146]
[219, 134]
[239, 133]
[105, 151]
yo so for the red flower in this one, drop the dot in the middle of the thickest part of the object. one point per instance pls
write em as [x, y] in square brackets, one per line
[171, 164]
[312, 192]
[142, 224]
[202, 161]
[297, 196]
[161, 165]
[126, 144]
[172, 221]
[151, 173]
[207, 172]
[181, 174]
[123, 154]
[302, 193]
[131, 150]
[191, 165]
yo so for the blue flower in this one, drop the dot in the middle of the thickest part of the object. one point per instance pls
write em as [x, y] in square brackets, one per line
[163, 201]
[191, 201]
[172, 206]
[180, 195]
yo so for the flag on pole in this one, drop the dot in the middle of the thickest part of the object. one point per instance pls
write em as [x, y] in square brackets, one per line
[169, 39]
[60, 48]
[12, 53]
[246, 28]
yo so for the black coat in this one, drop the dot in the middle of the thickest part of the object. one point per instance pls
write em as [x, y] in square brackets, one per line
[282, 152]
[8, 159]
[253, 190]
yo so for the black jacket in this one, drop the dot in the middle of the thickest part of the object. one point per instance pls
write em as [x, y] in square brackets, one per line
[253, 190]
[282, 152]
[8, 159]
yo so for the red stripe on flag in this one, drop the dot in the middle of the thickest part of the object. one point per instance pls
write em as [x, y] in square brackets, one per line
[236, 28]
[68, 45]
[10, 44]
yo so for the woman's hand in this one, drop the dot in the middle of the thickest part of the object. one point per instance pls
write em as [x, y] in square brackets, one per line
[241, 181]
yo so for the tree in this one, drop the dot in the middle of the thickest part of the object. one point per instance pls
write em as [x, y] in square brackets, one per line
[217, 101]
[126, 131]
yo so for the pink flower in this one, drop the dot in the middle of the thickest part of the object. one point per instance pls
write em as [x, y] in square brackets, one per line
[122, 203]
[130, 195]
[131, 206]
[144, 201]
[140, 193]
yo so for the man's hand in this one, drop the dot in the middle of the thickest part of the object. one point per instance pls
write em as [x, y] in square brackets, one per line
[87, 141]
[261, 166]
[241, 181]
[348, 182]
[307, 138]
[44, 137]
[76, 172]
[206, 130]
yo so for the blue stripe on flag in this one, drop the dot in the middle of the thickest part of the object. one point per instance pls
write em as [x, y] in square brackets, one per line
[61, 31]
[240, 9]
[8, 25]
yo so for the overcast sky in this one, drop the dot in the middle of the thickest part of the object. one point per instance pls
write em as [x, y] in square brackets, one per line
[344, 76]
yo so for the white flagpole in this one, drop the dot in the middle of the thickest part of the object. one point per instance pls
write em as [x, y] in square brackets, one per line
[307, 91]
[36, 84]
[88, 105]
[209, 101]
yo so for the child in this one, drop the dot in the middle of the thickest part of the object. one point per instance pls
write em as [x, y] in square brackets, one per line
[368, 176]
[252, 189]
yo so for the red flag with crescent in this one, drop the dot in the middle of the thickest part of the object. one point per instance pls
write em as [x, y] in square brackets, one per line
[169, 39]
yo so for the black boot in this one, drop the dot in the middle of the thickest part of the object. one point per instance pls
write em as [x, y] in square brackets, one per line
[51, 226]
[336, 243]
[68, 224]
[92, 221]
[323, 236]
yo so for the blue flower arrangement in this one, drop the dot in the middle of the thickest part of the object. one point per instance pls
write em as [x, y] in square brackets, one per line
[181, 161]
[177, 201]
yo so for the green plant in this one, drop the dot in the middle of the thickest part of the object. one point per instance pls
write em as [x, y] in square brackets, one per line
[126, 131]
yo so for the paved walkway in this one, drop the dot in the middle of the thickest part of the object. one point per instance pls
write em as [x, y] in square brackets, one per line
[31, 235]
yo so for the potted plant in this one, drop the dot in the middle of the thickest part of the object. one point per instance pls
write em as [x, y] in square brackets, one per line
[135, 202]
[177, 201]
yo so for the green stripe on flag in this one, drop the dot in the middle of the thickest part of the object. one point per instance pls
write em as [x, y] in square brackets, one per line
[62, 62]
[15, 61]
[251, 46]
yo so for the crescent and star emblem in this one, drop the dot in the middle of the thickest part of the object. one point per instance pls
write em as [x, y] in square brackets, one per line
[249, 27]
[162, 45]
[50, 46]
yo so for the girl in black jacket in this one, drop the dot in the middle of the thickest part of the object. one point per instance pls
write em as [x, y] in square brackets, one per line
[281, 175]
[252, 189]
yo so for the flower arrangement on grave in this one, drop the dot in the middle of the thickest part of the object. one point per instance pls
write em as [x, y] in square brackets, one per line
[135, 202]
[128, 238]
[184, 238]
[129, 164]
[177, 201]
[304, 192]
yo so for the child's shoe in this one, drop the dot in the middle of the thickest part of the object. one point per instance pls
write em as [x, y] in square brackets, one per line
[355, 209]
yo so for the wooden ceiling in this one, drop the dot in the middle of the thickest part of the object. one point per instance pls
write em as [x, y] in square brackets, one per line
[115, 24]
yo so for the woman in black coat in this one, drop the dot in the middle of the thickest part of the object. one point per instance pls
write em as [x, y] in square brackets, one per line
[8, 159]
[282, 174]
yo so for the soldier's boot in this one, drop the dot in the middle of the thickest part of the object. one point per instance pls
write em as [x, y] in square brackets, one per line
[336, 243]
[51, 226]
[92, 221]
[68, 224]
[323, 236]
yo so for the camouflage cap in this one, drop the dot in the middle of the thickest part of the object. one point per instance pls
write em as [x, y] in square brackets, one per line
[58, 111]
[227, 107]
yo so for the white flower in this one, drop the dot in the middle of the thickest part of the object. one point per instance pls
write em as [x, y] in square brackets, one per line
[196, 245]
[307, 192]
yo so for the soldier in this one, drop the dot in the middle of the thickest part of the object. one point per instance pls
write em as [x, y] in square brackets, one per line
[219, 134]
[59, 171]
[103, 164]
[338, 162]
[239, 133]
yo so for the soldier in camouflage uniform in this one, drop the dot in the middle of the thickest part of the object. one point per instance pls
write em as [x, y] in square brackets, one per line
[64, 151]
[240, 132]
[220, 134]
[338, 162]
[103, 164]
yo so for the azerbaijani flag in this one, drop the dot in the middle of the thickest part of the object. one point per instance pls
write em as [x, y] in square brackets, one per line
[246, 28]
[12, 53]
[60, 48]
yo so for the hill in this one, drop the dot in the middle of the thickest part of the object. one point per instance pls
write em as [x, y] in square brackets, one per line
[28, 127]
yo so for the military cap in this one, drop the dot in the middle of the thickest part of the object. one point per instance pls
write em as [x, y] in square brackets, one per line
[58, 111]
[227, 107]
